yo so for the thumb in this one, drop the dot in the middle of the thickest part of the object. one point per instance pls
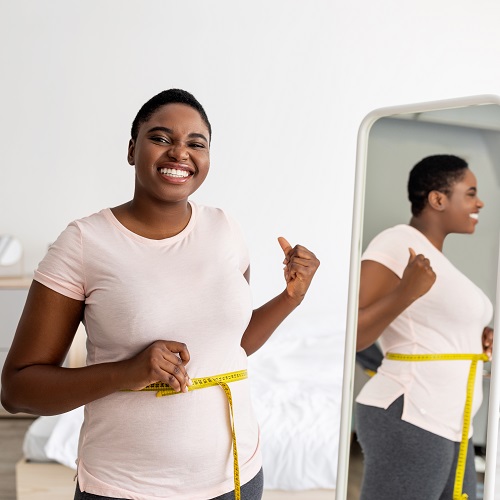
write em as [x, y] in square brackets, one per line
[412, 255]
[285, 246]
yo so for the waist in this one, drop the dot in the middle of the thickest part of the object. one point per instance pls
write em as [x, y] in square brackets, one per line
[175, 434]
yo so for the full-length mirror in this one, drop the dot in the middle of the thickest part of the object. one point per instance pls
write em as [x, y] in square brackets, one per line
[391, 142]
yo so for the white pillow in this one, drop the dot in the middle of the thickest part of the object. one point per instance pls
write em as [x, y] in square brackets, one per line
[36, 438]
[62, 445]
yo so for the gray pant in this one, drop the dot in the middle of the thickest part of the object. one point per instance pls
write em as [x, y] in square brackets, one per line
[402, 460]
[249, 491]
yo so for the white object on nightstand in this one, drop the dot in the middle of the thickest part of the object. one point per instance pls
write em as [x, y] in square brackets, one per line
[11, 256]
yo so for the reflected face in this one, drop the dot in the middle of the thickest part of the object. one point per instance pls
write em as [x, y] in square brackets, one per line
[463, 205]
[171, 154]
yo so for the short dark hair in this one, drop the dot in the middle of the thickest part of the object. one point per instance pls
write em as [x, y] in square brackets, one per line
[433, 173]
[171, 96]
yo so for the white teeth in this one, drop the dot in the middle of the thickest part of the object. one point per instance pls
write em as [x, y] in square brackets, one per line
[174, 172]
[474, 216]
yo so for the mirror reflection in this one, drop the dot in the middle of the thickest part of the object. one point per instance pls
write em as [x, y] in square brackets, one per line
[433, 299]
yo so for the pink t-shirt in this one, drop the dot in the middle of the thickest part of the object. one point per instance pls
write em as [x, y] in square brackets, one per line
[448, 319]
[189, 288]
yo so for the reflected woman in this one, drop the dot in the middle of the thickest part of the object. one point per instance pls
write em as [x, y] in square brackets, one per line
[413, 301]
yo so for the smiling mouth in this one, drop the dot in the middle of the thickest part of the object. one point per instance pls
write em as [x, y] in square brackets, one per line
[174, 172]
[474, 216]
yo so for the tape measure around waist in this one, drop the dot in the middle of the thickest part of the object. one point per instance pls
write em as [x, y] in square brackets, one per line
[221, 380]
[462, 453]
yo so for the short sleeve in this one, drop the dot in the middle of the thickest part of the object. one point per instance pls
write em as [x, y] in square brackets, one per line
[240, 243]
[391, 249]
[61, 269]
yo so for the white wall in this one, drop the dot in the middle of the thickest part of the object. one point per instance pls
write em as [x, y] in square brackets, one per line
[286, 84]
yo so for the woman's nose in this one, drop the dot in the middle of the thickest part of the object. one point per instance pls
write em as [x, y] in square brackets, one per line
[480, 203]
[178, 152]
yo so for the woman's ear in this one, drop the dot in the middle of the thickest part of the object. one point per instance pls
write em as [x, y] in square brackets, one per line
[437, 200]
[131, 150]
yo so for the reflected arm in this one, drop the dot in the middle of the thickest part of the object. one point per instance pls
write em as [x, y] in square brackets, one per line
[381, 300]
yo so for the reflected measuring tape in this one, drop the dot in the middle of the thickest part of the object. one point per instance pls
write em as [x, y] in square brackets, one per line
[222, 380]
[462, 453]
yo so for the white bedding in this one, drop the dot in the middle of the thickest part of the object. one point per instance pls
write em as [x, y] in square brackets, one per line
[54, 438]
[296, 383]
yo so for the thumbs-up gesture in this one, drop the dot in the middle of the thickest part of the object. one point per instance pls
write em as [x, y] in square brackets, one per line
[418, 276]
[300, 266]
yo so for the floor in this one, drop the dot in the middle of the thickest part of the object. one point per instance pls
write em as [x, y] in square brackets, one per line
[355, 471]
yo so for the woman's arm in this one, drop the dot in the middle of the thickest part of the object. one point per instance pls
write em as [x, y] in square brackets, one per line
[33, 380]
[300, 266]
[383, 296]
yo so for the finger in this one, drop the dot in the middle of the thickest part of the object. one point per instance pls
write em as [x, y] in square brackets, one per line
[412, 255]
[301, 263]
[175, 380]
[174, 374]
[285, 246]
[180, 348]
[303, 253]
[175, 364]
[488, 337]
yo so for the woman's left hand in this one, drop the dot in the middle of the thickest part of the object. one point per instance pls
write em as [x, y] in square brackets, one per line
[300, 266]
[487, 339]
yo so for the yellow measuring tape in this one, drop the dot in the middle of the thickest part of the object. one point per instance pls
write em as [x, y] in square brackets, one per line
[462, 453]
[222, 380]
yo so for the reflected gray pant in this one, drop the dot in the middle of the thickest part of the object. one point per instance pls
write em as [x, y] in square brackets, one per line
[402, 460]
[249, 491]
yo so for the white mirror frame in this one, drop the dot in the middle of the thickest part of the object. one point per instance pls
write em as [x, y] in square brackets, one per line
[352, 300]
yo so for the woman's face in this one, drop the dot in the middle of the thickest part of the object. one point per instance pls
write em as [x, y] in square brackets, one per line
[171, 154]
[463, 205]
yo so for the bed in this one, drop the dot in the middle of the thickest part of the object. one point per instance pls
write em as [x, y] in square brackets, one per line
[296, 383]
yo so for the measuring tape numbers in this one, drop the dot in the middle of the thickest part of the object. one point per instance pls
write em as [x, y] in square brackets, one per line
[462, 453]
[222, 380]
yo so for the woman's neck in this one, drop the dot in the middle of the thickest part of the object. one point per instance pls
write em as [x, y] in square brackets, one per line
[155, 222]
[430, 230]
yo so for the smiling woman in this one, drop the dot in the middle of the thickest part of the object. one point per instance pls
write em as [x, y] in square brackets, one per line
[159, 283]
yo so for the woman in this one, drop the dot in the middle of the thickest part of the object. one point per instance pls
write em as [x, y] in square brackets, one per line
[159, 283]
[409, 416]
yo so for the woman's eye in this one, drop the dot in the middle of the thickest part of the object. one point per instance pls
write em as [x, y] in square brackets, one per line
[197, 145]
[160, 139]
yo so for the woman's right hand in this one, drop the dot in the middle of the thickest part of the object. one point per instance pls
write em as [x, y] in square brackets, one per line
[418, 276]
[163, 361]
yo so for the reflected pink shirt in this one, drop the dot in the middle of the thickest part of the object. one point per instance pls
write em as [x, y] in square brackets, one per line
[448, 319]
[189, 288]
